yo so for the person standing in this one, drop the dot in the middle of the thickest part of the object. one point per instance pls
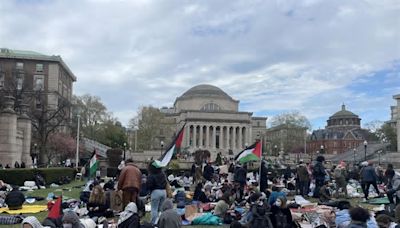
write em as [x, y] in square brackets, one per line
[303, 178]
[263, 177]
[240, 178]
[340, 175]
[129, 181]
[319, 175]
[208, 172]
[156, 185]
[368, 178]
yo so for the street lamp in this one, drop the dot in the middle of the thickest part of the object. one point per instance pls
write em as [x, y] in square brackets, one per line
[34, 155]
[354, 155]
[365, 149]
[276, 149]
[322, 149]
[124, 150]
[162, 146]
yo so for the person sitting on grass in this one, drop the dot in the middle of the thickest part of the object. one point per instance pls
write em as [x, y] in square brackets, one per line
[324, 193]
[31, 222]
[275, 194]
[223, 205]
[169, 218]
[359, 217]
[15, 199]
[281, 215]
[199, 194]
[129, 218]
[97, 203]
[71, 220]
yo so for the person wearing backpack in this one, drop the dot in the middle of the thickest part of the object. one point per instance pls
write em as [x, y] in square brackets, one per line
[319, 175]
[281, 216]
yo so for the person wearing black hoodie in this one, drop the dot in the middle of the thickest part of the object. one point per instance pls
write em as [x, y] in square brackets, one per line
[319, 175]
[199, 194]
[156, 185]
[208, 172]
[15, 199]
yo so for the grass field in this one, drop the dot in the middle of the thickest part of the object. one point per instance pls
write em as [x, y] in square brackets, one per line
[73, 190]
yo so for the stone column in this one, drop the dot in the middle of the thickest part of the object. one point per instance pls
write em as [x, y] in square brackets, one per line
[228, 146]
[8, 134]
[214, 135]
[397, 98]
[245, 137]
[187, 135]
[234, 138]
[221, 137]
[201, 137]
[25, 124]
[240, 138]
[207, 137]
[194, 136]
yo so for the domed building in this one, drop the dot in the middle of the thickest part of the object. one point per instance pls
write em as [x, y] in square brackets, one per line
[342, 133]
[213, 121]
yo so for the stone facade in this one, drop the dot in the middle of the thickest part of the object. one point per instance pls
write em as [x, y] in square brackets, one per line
[286, 137]
[342, 133]
[214, 122]
[15, 135]
[396, 118]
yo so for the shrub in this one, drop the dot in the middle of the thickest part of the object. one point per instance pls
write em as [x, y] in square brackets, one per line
[19, 176]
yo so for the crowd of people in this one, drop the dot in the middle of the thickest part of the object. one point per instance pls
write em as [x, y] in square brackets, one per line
[228, 192]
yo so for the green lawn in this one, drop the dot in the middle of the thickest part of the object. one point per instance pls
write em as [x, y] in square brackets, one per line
[71, 191]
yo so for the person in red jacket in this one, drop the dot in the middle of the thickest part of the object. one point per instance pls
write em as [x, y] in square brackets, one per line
[130, 182]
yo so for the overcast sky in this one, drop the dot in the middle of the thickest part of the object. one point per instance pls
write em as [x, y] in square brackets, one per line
[273, 56]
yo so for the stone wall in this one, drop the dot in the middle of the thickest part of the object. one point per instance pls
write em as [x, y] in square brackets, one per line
[397, 98]
[15, 135]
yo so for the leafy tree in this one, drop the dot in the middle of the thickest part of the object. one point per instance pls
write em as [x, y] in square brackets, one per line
[388, 134]
[112, 134]
[294, 118]
[149, 124]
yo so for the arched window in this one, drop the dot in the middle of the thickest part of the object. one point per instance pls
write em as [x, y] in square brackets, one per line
[211, 107]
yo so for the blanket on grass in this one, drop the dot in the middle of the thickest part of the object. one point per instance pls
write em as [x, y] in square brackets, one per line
[26, 209]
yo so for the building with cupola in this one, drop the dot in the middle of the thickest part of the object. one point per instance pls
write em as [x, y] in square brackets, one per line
[342, 133]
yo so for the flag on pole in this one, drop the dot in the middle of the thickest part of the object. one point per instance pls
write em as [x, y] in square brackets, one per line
[171, 150]
[251, 153]
[93, 164]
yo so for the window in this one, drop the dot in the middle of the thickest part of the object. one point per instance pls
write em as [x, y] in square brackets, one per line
[20, 82]
[2, 79]
[19, 65]
[39, 67]
[210, 107]
[38, 82]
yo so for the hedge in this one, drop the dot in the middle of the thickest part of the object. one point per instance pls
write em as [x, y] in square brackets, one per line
[19, 176]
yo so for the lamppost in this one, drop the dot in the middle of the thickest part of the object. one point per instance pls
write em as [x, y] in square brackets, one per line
[34, 155]
[322, 149]
[276, 149]
[124, 150]
[365, 149]
[354, 155]
[162, 146]
[77, 141]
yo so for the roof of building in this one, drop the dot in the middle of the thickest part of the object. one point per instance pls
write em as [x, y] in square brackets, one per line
[32, 55]
[344, 113]
[329, 134]
[205, 90]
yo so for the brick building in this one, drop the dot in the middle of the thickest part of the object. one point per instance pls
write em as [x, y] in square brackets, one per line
[342, 133]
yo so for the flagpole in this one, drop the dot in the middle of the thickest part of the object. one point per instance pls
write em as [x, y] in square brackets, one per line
[259, 172]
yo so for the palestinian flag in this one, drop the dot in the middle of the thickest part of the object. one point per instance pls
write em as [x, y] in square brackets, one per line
[171, 150]
[251, 153]
[93, 164]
